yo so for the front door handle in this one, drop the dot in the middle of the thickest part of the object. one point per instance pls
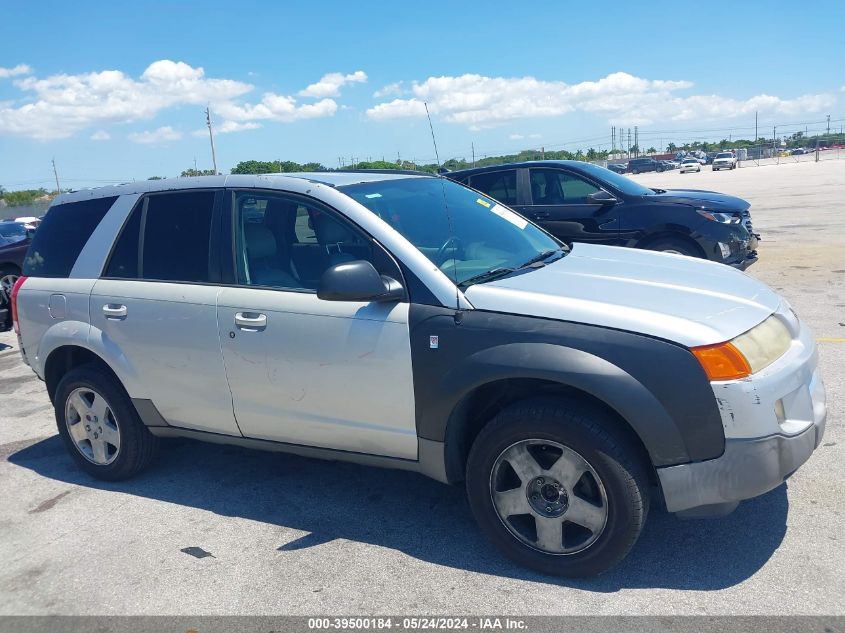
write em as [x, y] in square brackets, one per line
[250, 321]
[115, 311]
[541, 215]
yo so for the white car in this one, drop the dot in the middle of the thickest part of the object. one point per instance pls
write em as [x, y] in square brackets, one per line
[724, 160]
[690, 164]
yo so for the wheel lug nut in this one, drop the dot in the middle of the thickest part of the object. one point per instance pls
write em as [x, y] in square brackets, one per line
[540, 480]
[534, 497]
[556, 485]
[548, 509]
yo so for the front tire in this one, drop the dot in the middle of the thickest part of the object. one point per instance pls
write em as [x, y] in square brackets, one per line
[556, 488]
[676, 246]
[99, 425]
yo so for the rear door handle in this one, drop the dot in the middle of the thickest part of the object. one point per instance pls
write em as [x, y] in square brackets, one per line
[115, 311]
[250, 321]
[541, 215]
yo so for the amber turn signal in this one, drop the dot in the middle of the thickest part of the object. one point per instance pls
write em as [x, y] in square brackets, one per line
[722, 361]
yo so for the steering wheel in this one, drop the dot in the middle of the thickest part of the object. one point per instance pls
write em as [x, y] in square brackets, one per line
[444, 251]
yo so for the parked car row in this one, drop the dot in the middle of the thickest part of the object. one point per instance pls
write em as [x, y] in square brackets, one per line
[566, 387]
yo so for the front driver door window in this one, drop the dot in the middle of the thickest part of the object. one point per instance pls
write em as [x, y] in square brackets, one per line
[301, 369]
[560, 204]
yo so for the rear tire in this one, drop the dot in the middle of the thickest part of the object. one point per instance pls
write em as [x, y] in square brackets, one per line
[99, 425]
[567, 441]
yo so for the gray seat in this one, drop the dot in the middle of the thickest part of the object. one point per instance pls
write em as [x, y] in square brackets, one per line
[262, 257]
[332, 235]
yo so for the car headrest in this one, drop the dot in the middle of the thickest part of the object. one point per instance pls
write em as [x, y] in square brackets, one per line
[260, 242]
[329, 230]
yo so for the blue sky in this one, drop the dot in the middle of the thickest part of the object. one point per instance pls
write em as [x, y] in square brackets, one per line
[116, 91]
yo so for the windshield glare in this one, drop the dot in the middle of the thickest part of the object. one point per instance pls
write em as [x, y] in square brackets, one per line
[12, 232]
[618, 181]
[461, 231]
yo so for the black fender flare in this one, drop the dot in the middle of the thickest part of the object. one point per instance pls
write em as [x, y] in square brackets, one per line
[573, 368]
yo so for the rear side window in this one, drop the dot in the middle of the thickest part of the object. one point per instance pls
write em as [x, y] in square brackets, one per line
[167, 238]
[500, 185]
[62, 235]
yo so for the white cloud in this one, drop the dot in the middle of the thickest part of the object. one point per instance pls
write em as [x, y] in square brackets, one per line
[160, 135]
[516, 137]
[227, 127]
[66, 104]
[100, 135]
[20, 69]
[275, 107]
[478, 101]
[390, 90]
[62, 105]
[330, 84]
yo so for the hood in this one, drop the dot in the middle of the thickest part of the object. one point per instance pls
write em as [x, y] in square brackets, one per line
[701, 199]
[686, 300]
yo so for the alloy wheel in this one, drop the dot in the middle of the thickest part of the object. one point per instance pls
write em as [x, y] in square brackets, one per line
[548, 496]
[92, 426]
[7, 282]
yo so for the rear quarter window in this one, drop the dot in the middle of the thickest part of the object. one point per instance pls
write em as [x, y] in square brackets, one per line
[62, 235]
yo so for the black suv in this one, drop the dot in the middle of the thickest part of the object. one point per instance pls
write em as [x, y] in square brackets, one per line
[639, 165]
[581, 202]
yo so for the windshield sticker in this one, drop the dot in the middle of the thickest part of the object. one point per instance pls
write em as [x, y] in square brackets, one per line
[372, 195]
[483, 203]
[510, 216]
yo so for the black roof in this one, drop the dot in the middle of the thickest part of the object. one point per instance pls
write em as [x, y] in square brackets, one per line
[575, 164]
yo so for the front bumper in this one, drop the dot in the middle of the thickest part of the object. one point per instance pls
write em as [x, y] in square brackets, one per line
[747, 468]
[773, 422]
[742, 264]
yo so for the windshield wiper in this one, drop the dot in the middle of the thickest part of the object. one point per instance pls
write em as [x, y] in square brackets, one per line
[541, 258]
[487, 275]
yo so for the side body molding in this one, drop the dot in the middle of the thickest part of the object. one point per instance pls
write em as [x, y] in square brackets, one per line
[656, 386]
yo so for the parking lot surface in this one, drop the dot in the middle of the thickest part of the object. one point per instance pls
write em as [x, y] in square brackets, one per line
[220, 530]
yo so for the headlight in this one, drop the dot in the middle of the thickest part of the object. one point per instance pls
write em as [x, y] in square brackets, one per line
[724, 218]
[764, 344]
[747, 354]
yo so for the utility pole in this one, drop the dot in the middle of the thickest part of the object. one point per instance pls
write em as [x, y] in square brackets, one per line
[211, 138]
[755, 128]
[543, 153]
[473, 154]
[195, 165]
[828, 125]
[56, 174]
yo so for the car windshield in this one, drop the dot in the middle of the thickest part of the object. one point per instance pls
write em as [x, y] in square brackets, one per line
[617, 181]
[470, 236]
[724, 155]
[12, 232]
[690, 160]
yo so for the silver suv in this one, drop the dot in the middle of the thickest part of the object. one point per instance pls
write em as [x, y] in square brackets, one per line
[406, 321]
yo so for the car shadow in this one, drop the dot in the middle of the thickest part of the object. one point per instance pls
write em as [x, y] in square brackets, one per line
[418, 516]
[3, 346]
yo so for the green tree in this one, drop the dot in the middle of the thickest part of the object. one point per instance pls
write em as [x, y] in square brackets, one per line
[671, 147]
[651, 150]
[191, 173]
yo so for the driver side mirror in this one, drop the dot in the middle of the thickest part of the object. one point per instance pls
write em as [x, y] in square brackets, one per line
[358, 281]
[602, 197]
